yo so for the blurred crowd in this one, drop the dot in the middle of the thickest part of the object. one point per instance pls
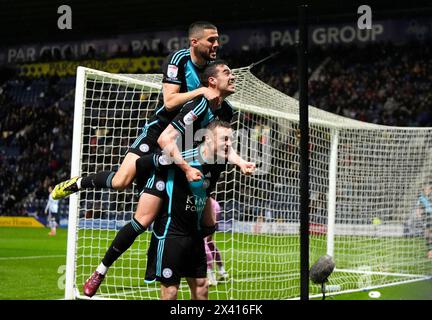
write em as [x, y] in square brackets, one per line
[35, 145]
[381, 83]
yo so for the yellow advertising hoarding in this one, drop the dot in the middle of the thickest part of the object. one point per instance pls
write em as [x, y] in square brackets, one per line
[26, 222]
[116, 65]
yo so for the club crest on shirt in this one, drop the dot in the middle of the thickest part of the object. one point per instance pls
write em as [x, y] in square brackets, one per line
[144, 147]
[165, 160]
[172, 71]
[189, 118]
[160, 185]
[167, 273]
[206, 184]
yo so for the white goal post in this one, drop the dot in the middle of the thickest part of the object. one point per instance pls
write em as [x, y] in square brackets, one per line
[365, 181]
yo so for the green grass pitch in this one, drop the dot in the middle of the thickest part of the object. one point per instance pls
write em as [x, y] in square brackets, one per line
[32, 264]
[32, 267]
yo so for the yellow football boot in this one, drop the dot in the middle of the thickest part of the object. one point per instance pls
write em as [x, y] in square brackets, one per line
[65, 189]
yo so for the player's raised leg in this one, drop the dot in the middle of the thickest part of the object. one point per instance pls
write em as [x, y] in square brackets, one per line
[126, 173]
[117, 180]
[148, 206]
[141, 149]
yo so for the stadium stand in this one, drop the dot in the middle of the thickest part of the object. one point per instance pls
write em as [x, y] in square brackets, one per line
[389, 85]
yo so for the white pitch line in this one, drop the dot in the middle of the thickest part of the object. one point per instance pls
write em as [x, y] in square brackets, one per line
[32, 257]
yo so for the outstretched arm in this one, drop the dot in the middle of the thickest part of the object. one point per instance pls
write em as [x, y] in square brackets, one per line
[246, 167]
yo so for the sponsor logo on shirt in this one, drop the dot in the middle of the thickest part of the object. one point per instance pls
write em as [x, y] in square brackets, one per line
[194, 203]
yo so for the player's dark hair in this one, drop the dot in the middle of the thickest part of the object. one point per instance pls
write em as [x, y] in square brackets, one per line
[218, 123]
[199, 26]
[211, 71]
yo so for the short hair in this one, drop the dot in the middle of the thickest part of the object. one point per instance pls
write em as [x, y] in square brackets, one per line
[199, 26]
[218, 123]
[211, 71]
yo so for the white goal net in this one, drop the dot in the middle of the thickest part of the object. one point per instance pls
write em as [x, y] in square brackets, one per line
[365, 181]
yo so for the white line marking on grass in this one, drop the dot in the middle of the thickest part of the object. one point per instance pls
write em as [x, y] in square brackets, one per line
[32, 257]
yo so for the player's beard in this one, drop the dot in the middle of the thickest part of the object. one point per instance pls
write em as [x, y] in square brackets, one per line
[206, 54]
[213, 55]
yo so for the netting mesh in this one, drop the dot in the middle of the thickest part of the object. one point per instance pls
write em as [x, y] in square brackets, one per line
[378, 173]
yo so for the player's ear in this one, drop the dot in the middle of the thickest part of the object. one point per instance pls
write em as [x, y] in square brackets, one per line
[193, 41]
[212, 81]
[208, 137]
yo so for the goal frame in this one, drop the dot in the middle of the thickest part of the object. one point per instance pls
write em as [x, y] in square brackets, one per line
[320, 118]
[71, 291]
